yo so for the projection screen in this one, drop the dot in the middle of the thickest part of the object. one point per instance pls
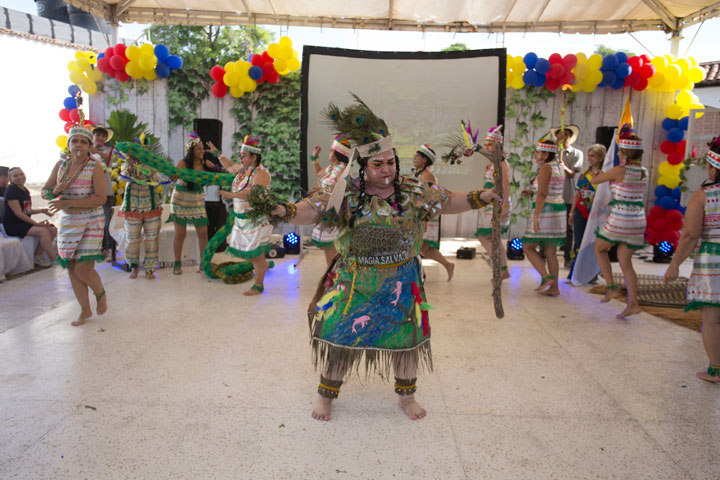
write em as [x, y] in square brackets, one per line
[422, 96]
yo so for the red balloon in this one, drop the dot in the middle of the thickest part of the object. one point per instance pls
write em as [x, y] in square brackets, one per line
[556, 71]
[646, 58]
[217, 73]
[672, 236]
[667, 147]
[109, 52]
[120, 50]
[268, 70]
[680, 146]
[257, 59]
[626, 82]
[647, 70]
[219, 89]
[267, 57]
[674, 216]
[104, 65]
[635, 62]
[634, 78]
[652, 237]
[64, 115]
[274, 77]
[122, 76]
[74, 115]
[68, 126]
[552, 83]
[661, 225]
[118, 62]
[88, 123]
[675, 158]
[569, 61]
[656, 212]
[641, 84]
[555, 58]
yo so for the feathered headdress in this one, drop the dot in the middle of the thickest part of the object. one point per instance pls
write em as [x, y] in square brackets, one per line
[251, 144]
[713, 155]
[461, 144]
[341, 145]
[495, 134]
[194, 140]
[626, 140]
[545, 144]
[360, 125]
[426, 149]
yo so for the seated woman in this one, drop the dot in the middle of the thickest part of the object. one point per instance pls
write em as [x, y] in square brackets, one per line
[18, 222]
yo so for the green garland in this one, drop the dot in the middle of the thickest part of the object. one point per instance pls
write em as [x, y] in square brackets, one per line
[224, 180]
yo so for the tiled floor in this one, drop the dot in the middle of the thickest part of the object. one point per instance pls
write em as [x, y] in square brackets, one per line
[186, 378]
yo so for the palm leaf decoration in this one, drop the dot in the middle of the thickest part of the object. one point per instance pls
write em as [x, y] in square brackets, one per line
[127, 128]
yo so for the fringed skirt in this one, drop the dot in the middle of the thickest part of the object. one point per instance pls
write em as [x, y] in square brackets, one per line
[484, 227]
[187, 207]
[375, 315]
[323, 236]
[704, 285]
[625, 223]
[248, 239]
[431, 235]
[80, 236]
[553, 226]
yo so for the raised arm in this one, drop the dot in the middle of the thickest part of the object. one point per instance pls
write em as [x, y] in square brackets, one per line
[462, 202]
[615, 174]
[228, 165]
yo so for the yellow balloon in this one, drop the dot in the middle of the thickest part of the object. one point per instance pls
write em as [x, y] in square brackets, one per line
[659, 62]
[72, 66]
[577, 87]
[247, 84]
[656, 81]
[670, 181]
[95, 75]
[581, 57]
[285, 42]
[133, 53]
[692, 61]
[519, 60]
[90, 87]
[280, 64]
[61, 141]
[683, 64]
[150, 75]
[231, 79]
[147, 49]
[696, 74]
[697, 106]
[682, 83]
[581, 70]
[236, 91]
[273, 50]
[91, 57]
[595, 61]
[83, 64]
[77, 77]
[133, 69]
[284, 52]
[230, 67]
[595, 77]
[683, 98]
[294, 64]
[147, 62]
[242, 67]
[518, 83]
[589, 88]
[674, 111]
[79, 54]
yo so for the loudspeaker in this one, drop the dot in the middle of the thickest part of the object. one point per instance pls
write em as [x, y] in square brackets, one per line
[466, 253]
[209, 130]
[603, 136]
[276, 251]
[217, 216]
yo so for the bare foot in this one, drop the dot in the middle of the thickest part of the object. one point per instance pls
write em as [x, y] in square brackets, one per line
[149, 274]
[411, 407]
[81, 319]
[102, 303]
[550, 292]
[610, 294]
[450, 270]
[629, 311]
[543, 285]
[321, 409]
[704, 375]
[254, 290]
[505, 275]
[134, 273]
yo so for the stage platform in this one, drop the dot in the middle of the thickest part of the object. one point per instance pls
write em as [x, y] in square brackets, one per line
[184, 377]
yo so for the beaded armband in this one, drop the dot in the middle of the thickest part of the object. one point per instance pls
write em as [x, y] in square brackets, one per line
[314, 158]
[405, 387]
[290, 211]
[475, 201]
[47, 194]
[329, 388]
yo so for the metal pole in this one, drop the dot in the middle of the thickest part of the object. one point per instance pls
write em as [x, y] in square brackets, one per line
[675, 43]
[114, 29]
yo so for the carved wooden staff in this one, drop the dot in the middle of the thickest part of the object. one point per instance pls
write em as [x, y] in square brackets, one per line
[496, 158]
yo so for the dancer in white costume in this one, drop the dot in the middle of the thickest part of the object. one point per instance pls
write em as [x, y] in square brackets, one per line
[249, 240]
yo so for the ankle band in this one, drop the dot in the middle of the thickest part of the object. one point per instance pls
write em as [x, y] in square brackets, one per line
[405, 387]
[713, 370]
[329, 388]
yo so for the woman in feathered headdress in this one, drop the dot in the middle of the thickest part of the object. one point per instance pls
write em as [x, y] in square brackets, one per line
[324, 237]
[702, 223]
[249, 239]
[546, 227]
[370, 307]
[625, 223]
[422, 161]
[76, 189]
[493, 140]
[187, 202]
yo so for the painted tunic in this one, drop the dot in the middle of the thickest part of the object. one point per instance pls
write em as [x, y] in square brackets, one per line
[248, 239]
[187, 204]
[80, 234]
[626, 221]
[373, 304]
[484, 226]
[553, 221]
[323, 236]
[141, 201]
[704, 284]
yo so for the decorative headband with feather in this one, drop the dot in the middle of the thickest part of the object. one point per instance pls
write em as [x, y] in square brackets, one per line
[462, 144]
[251, 144]
[714, 156]
[625, 140]
[194, 140]
[545, 144]
[368, 132]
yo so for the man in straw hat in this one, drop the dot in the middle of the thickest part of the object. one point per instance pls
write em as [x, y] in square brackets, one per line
[571, 159]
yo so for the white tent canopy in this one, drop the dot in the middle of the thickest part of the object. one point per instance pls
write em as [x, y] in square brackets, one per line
[567, 16]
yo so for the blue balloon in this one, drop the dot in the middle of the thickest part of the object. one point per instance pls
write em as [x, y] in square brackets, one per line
[609, 62]
[661, 191]
[162, 70]
[174, 62]
[619, 83]
[162, 52]
[530, 77]
[530, 59]
[683, 123]
[255, 72]
[70, 103]
[623, 70]
[676, 193]
[542, 66]
[540, 81]
[675, 135]
[657, 201]
[609, 78]
[622, 57]
[667, 202]
[73, 90]
[669, 123]
[102, 55]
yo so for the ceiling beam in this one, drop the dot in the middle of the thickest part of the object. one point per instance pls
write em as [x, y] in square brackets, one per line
[96, 7]
[661, 11]
[507, 15]
[390, 15]
[706, 13]
[542, 10]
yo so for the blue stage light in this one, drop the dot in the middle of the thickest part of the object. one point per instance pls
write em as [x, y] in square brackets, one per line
[515, 249]
[291, 242]
[663, 252]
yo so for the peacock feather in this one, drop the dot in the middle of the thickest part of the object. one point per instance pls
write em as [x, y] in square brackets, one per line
[357, 122]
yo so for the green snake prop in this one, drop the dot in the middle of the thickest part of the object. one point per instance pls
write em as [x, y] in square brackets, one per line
[229, 272]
